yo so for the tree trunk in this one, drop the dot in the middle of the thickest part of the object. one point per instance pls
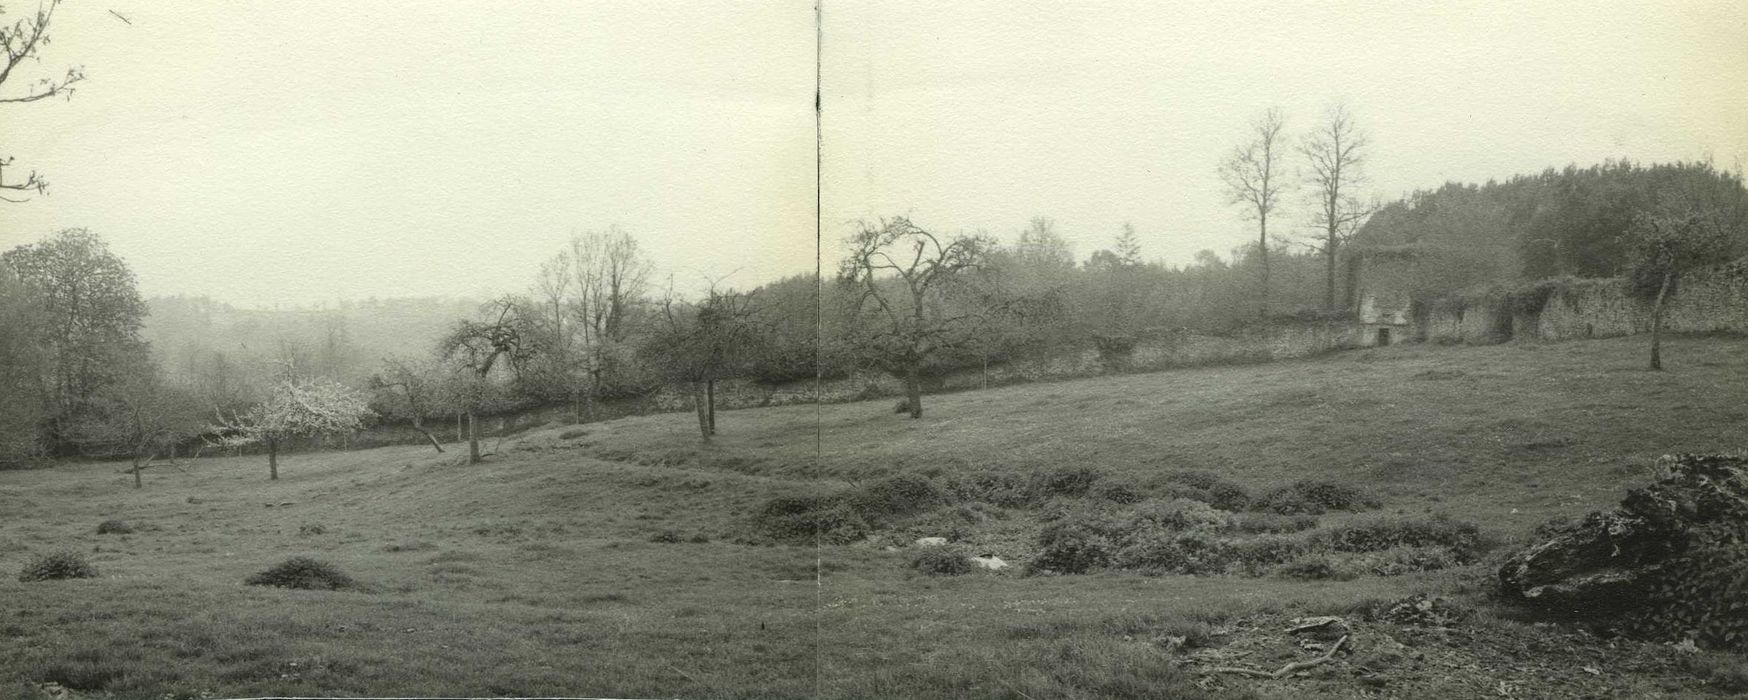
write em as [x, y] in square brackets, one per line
[703, 413]
[272, 459]
[473, 440]
[1263, 250]
[710, 401]
[1329, 272]
[458, 434]
[576, 405]
[913, 390]
[418, 425]
[137, 470]
[1657, 322]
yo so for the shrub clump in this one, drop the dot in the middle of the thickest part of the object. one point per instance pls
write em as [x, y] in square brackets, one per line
[1208, 488]
[941, 561]
[55, 566]
[1313, 497]
[1271, 523]
[1462, 539]
[1005, 489]
[1075, 545]
[1177, 514]
[114, 527]
[799, 519]
[898, 495]
[1201, 553]
[303, 573]
[1071, 482]
[1116, 491]
[666, 537]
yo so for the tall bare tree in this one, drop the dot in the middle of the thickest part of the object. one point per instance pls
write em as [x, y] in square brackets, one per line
[22, 40]
[611, 276]
[903, 275]
[1335, 157]
[1254, 176]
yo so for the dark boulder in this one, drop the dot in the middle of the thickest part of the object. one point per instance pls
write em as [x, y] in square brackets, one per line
[1651, 563]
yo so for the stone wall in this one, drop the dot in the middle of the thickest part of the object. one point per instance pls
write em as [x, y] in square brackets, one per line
[1708, 301]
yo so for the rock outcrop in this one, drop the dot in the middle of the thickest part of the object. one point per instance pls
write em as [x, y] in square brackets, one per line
[1650, 565]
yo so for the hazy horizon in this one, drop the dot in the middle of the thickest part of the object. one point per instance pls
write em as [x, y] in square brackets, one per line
[256, 156]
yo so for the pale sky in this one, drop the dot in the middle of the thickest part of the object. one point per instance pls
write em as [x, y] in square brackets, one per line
[264, 152]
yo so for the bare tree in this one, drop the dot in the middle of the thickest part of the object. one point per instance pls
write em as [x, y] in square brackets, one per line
[1254, 178]
[22, 40]
[704, 343]
[1335, 155]
[611, 276]
[416, 389]
[476, 347]
[903, 275]
[552, 290]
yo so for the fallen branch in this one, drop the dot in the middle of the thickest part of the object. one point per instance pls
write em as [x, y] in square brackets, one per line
[1286, 670]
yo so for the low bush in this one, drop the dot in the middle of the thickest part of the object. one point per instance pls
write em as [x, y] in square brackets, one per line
[1313, 497]
[1208, 488]
[1462, 539]
[666, 537]
[802, 519]
[941, 561]
[1271, 523]
[1115, 490]
[313, 529]
[55, 566]
[303, 573]
[1176, 514]
[1074, 546]
[113, 527]
[898, 495]
[573, 433]
[1005, 489]
[1071, 482]
[1163, 551]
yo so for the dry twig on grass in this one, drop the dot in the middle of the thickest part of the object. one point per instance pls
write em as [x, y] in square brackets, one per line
[1286, 670]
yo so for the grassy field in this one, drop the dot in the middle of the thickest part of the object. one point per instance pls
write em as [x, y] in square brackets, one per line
[541, 573]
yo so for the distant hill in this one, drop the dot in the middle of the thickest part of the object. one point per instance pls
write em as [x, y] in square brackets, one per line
[202, 342]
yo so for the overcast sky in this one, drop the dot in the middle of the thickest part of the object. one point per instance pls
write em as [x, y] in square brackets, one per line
[265, 152]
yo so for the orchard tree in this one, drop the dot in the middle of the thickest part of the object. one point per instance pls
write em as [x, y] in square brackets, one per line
[295, 408]
[1662, 248]
[1334, 157]
[701, 344]
[1255, 178]
[906, 281]
[476, 347]
[23, 39]
[142, 417]
[411, 389]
